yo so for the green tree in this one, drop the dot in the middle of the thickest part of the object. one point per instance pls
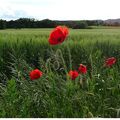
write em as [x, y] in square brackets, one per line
[80, 25]
[2, 24]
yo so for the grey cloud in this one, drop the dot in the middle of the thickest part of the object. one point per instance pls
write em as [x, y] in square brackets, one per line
[16, 14]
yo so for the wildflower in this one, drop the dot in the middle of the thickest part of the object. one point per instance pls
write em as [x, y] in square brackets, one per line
[82, 69]
[110, 61]
[73, 74]
[35, 74]
[58, 35]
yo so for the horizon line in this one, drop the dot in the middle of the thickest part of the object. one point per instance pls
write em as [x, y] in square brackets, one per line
[59, 19]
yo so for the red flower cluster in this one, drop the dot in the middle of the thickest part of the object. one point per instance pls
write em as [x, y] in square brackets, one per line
[35, 74]
[58, 35]
[110, 61]
[73, 74]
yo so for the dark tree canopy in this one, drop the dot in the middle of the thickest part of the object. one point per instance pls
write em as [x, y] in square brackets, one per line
[46, 23]
[3, 24]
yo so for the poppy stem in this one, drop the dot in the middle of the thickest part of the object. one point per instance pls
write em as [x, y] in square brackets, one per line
[70, 57]
[64, 64]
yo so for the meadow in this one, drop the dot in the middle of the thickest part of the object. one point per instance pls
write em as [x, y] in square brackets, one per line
[95, 94]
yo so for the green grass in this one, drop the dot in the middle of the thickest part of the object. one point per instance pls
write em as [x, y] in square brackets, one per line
[95, 94]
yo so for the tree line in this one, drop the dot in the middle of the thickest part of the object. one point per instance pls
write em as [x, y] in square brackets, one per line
[46, 23]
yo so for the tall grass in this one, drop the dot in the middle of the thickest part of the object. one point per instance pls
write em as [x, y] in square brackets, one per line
[95, 94]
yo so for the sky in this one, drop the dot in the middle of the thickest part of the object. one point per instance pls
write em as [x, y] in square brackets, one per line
[60, 9]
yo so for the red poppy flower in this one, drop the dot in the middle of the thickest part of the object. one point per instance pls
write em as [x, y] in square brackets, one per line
[82, 69]
[58, 35]
[35, 74]
[110, 61]
[64, 29]
[73, 74]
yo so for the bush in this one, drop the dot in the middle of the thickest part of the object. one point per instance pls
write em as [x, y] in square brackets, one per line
[80, 25]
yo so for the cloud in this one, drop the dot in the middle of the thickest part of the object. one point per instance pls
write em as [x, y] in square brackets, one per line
[11, 14]
[11, 11]
[60, 9]
[15, 15]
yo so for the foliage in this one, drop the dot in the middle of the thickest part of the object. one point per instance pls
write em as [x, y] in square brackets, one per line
[95, 94]
[46, 23]
[2, 24]
[80, 25]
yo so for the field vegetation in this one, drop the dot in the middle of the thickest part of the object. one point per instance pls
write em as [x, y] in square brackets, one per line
[94, 94]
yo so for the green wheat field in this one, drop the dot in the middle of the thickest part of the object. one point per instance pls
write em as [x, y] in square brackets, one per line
[55, 94]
